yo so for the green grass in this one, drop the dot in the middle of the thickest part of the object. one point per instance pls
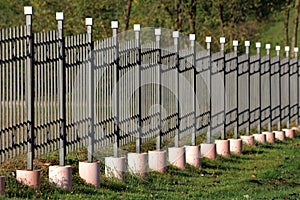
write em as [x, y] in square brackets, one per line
[276, 166]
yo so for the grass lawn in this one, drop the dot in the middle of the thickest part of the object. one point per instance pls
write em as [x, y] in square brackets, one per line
[264, 171]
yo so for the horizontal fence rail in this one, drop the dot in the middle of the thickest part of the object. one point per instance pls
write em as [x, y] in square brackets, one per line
[85, 93]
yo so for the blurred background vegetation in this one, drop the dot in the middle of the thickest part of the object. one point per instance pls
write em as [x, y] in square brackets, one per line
[235, 19]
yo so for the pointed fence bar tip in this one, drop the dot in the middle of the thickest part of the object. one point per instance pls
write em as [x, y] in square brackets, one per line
[235, 43]
[59, 16]
[136, 27]
[28, 10]
[175, 34]
[89, 21]
[247, 43]
[258, 44]
[114, 24]
[208, 39]
[192, 37]
[157, 31]
[268, 46]
[222, 40]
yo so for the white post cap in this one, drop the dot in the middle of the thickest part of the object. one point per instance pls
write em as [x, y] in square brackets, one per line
[136, 27]
[114, 24]
[296, 49]
[286, 48]
[258, 44]
[277, 48]
[235, 43]
[88, 21]
[157, 31]
[222, 40]
[28, 10]
[268, 46]
[208, 39]
[59, 16]
[175, 34]
[192, 37]
[247, 43]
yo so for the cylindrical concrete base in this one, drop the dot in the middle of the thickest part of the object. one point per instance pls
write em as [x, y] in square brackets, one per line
[270, 136]
[236, 146]
[248, 139]
[280, 135]
[138, 164]
[31, 178]
[90, 172]
[61, 176]
[177, 157]
[223, 147]
[289, 133]
[208, 151]
[115, 167]
[157, 161]
[2, 185]
[261, 138]
[193, 155]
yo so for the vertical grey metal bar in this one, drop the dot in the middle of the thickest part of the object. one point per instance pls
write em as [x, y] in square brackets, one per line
[176, 48]
[193, 46]
[62, 90]
[30, 90]
[268, 46]
[137, 29]
[235, 44]
[114, 26]
[209, 131]
[159, 95]
[222, 50]
[279, 85]
[258, 45]
[91, 104]
[247, 45]
[287, 55]
[296, 50]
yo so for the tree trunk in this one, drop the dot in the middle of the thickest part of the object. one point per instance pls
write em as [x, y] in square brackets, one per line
[127, 14]
[295, 28]
[220, 9]
[192, 16]
[286, 22]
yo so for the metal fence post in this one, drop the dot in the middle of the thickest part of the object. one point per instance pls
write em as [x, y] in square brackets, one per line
[208, 135]
[176, 46]
[62, 89]
[247, 46]
[91, 104]
[114, 26]
[137, 29]
[258, 46]
[268, 47]
[287, 55]
[296, 50]
[222, 50]
[193, 46]
[30, 87]
[277, 48]
[235, 44]
[159, 134]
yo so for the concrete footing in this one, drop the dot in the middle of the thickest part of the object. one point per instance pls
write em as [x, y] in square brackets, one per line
[2, 185]
[280, 135]
[296, 129]
[236, 146]
[248, 139]
[115, 167]
[261, 138]
[138, 164]
[90, 172]
[177, 157]
[157, 161]
[61, 176]
[208, 150]
[270, 136]
[289, 133]
[223, 147]
[193, 155]
[31, 178]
